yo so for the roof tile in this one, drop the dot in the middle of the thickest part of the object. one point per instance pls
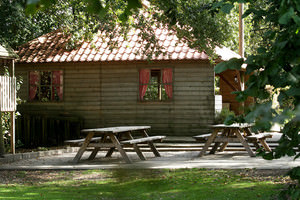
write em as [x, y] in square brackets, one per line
[51, 48]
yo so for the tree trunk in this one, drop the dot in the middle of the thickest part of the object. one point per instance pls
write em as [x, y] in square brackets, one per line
[2, 149]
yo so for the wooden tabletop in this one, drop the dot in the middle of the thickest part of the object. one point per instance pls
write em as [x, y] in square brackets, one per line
[235, 125]
[118, 129]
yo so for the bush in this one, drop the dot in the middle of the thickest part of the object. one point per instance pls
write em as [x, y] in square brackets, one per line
[221, 116]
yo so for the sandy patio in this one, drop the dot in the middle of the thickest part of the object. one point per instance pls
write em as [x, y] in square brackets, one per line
[178, 159]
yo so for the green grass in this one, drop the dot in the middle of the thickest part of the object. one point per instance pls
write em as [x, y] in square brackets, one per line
[139, 184]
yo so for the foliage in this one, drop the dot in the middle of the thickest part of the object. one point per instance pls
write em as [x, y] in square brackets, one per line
[217, 85]
[224, 114]
[16, 28]
[201, 28]
[127, 184]
[275, 69]
[195, 22]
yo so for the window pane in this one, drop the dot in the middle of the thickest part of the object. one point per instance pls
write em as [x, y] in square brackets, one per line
[45, 78]
[160, 85]
[45, 94]
[153, 89]
[152, 93]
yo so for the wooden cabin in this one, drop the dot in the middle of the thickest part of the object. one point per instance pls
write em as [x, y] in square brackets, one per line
[173, 93]
[8, 88]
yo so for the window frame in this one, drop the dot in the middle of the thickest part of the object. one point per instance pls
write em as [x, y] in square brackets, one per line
[160, 86]
[51, 86]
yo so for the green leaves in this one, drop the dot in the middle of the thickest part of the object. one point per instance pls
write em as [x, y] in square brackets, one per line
[296, 18]
[32, 6]
[131, 5]
[96, 7]
[226, 8]
[234, 63]
[287, 16]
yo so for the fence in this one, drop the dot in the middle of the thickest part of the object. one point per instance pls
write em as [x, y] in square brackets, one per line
[44, 131]
[7, 93]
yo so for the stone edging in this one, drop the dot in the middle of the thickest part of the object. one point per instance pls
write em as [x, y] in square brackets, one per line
[8, 158]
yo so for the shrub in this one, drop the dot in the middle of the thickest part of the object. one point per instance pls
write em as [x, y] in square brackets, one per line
[221, 116]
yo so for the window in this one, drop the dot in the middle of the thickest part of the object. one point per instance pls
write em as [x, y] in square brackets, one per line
[156, 84]
[45, 86]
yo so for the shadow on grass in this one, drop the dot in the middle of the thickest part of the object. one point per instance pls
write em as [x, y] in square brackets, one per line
[145, 184]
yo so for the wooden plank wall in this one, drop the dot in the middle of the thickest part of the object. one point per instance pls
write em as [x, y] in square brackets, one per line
[7, 86]
[7, 93]
[81, 92]
[107, 95]
[191, 110]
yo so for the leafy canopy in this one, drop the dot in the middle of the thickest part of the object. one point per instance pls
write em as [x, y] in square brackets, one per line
[275, 74]
[195, 22]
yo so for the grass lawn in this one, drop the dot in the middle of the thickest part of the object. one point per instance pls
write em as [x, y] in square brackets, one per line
[179, 184]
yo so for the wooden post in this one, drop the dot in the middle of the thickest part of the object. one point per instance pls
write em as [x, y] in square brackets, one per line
[12, 133]
[241, 76]
[2, 150]
[12, 113]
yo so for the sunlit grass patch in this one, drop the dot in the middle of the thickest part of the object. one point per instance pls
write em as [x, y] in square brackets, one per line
[141, 184]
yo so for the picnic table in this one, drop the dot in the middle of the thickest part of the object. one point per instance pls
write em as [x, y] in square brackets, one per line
[238, 132]
[115, 138]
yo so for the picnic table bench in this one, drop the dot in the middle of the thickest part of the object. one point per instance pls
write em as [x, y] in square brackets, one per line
[143, 140]
[113, 138]
[78, 142]
[223, 134]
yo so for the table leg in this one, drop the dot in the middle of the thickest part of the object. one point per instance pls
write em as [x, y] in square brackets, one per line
[138, 152]
[110, 152]
[152, 146]
[215, 147]
[136, 147]
[117, 144]
[96, 149]
[112, 149]
[248, 132]
[223, 146]
[208, 142]
[264, 144]
[94, 153]
[244, 143]
[256, 145]
[83, 147]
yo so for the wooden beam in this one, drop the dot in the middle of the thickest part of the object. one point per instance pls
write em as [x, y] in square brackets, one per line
[228, 83]
[240, 75]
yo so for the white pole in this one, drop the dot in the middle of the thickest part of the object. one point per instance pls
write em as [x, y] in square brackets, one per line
[12, 113]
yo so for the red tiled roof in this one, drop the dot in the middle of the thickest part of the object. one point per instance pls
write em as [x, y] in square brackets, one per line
[51, 48]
